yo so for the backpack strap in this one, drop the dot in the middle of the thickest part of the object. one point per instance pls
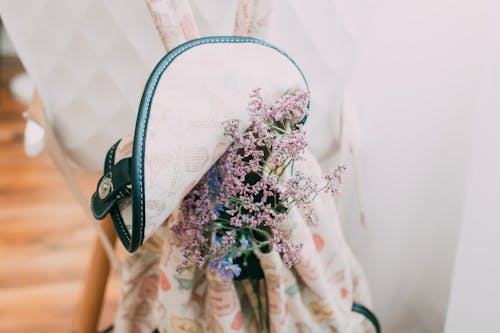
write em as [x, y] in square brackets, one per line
[114, 185]
[174, 21]
[252, 17]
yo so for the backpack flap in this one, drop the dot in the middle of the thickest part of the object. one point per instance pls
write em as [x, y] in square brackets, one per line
[178, 133]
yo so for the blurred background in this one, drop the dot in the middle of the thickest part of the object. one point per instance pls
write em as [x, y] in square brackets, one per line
[45, 238]
[406, 93]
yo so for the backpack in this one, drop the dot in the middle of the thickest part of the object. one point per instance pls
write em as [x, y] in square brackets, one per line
[177, 138]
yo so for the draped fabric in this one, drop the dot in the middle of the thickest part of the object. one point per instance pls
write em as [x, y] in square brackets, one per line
[316, 295]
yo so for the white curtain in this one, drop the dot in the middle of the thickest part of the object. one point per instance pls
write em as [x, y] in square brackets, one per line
[475, 294]
[417, 86]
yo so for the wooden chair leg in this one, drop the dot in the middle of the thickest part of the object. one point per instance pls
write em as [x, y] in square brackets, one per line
[92, 297]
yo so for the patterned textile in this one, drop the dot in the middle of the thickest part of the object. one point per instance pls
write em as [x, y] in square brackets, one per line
[174, 21]
[316, 295]
[252, 17]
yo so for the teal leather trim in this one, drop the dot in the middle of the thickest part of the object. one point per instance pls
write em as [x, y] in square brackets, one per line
[138, 199]
[110, 329]
[370, 316]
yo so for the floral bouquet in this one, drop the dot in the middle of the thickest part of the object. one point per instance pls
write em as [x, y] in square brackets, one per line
[240, 205]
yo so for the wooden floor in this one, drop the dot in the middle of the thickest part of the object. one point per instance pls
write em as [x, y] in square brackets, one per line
[45, 239]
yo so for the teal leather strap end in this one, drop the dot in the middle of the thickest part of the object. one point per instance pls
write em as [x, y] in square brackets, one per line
[370, 316]
[114, 185]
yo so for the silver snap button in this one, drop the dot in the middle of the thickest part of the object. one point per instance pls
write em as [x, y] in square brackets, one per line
[104, 188]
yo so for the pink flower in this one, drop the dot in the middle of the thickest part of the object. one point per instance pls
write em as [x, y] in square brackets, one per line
[290, 106]
[333, 179]
[231, 128]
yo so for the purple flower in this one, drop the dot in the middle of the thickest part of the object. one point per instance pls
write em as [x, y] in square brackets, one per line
[243, 195]
[213, 179]
[244, 243]
[218, 208]
[225, 267]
